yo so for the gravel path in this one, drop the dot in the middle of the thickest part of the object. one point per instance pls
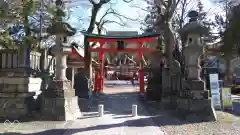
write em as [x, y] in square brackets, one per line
[226, 124]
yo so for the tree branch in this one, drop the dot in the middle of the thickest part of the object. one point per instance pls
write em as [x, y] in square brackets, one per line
[102, 22]
[93, 2]
[134, 6]
[172, 5]
[127, 1]
[102, 2]
[109, 11]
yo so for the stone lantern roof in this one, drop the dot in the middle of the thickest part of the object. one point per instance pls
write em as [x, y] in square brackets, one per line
[60, 27]
[194, 26]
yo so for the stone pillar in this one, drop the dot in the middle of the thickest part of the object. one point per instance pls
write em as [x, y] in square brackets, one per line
[70, 73]
[59, 101]
[194, 83]
[72, 76]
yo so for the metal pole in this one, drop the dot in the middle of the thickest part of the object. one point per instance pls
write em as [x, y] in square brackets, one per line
[100, 110]
[134, 110]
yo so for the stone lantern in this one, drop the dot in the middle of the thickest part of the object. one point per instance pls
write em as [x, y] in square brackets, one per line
[194, 98]
[59, 100]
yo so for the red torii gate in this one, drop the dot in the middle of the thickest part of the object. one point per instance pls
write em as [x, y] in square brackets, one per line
[102, 39]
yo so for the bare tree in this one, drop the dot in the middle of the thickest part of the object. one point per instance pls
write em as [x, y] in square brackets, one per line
[183, 8]
[96, 6]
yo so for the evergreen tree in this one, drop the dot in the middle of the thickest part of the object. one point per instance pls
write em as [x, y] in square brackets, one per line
[206, 22]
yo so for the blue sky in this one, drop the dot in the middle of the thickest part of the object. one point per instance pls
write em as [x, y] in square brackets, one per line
[80, 14]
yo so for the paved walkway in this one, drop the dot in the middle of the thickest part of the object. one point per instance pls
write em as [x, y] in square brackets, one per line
[116, 121]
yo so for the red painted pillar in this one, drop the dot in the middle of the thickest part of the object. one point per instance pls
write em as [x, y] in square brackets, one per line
[141, 80]
[101, 71]
[101, 83]
[97, 80]
[141, 72]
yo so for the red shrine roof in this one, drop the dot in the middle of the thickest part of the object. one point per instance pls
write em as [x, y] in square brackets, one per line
[76, 58]
[78, 51]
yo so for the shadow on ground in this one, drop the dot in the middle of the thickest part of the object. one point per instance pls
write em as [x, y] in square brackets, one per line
[130, 123]
[119, 105]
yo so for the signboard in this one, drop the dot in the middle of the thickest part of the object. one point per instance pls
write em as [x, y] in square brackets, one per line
[226, 98]
[215, 91]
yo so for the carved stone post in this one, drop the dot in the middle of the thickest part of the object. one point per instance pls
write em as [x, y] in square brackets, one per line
[59, 101]
[61, 53]
[192, 54]
[195, 99]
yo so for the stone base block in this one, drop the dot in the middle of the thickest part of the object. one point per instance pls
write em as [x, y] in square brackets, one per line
[84, 104]
[200, 94]
[204, 94]
[60, 109]
[153, 94]
[20, 84]
[17, 72]
[59, 88]
[194, 85]
[16, 108]
[202, 109]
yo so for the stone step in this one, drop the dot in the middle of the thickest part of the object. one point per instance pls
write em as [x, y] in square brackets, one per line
[194, 84]
[16, 94]
[204, 94]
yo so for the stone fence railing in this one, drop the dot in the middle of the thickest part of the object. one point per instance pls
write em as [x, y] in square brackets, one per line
[9, 59]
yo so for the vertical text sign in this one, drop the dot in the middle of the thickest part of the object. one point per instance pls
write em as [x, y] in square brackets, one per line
[214, 85]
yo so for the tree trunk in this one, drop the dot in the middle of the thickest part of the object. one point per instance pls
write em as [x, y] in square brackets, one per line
[87, 54]
[23, 49]
[87, 59]
[170, 42]
[43, 60]
[228, 75]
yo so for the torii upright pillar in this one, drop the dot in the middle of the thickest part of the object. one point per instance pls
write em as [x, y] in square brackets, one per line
[141, 71]
[101, 60]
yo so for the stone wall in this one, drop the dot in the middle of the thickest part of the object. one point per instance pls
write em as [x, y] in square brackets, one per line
[18, 96]
[19, 89]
